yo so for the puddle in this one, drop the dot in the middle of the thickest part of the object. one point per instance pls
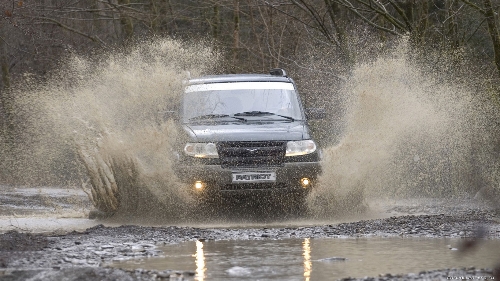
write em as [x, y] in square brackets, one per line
[43, 209]
[315, 259]
[39, 201]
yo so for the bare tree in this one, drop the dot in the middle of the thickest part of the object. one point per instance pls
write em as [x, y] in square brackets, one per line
[491, 16]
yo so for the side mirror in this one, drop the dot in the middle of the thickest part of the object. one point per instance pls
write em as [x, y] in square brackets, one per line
[315, 113]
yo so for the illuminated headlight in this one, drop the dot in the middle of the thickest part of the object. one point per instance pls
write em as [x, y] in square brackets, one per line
[201, 150]
[294, 148]
[199, 185]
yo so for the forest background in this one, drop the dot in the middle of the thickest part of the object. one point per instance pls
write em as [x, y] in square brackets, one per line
[319, 43]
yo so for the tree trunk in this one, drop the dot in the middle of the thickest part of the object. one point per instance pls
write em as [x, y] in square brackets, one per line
[493, 30]
[236, 31]
[453, 32]
[6, 116]
[5, 101]
[216, 23]
[126, 21]
[334, 13]
[256, 35]
[155, 7]
[423, 25]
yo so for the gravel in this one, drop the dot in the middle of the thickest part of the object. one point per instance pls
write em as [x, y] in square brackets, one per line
[84, 255]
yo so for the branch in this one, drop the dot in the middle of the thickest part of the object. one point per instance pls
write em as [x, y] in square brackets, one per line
[475, 30]
[351, 8]
[320, 27]
[401, 12]
[454, 14]
[342, 78]
[472, 5]
[317, 19]
[95, 39]
[287, 14]
[125, 6]
[13, 47]
[395, 22]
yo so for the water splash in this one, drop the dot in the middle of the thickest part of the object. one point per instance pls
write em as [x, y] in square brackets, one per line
[407, 133]
[109, 111]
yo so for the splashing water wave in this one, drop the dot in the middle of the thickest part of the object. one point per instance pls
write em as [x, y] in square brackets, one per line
[406, 134]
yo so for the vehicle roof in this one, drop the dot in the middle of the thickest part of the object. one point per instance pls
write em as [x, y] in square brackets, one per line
[231, 78]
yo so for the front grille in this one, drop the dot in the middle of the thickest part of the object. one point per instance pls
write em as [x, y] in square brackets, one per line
[251, 154]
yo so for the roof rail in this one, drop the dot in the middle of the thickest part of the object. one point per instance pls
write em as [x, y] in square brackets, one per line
[278, 72]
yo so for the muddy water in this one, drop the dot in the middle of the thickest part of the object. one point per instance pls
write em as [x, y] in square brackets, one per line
[44, 209]
[100, 122]
[315, 259]
[38, 201]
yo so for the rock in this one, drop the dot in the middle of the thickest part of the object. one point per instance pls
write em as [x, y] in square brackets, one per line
[163, 274]
[78, 262]
[74, 273]
[238, 271]
[332, 259]
[138, 248]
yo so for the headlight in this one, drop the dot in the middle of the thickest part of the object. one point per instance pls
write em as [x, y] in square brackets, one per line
[295, 148]
[201, 150]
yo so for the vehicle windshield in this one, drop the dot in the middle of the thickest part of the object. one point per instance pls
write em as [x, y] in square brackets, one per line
[268, 100]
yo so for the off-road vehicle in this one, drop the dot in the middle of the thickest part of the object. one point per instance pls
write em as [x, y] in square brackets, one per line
[246, 133]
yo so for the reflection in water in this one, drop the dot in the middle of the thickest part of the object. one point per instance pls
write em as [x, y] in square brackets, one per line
[200, 261]
[306, 247]
[293, 259]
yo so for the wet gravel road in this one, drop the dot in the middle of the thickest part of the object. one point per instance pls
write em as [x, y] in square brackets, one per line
[85, 255]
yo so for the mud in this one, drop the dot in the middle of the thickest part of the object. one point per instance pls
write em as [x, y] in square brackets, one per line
[86, 255]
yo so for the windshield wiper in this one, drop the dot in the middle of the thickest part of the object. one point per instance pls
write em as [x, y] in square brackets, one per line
[262, 113]
[287, 117]
[214, 116]
[253, 113]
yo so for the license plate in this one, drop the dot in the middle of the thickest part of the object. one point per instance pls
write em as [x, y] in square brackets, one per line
[249, 177]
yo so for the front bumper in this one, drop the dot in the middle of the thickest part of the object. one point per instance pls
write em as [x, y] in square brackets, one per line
[218, 179]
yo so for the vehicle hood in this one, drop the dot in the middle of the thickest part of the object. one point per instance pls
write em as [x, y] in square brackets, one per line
[247, 131]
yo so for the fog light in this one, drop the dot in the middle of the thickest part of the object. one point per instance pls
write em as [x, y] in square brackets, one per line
[305, 182]
[198, 185]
